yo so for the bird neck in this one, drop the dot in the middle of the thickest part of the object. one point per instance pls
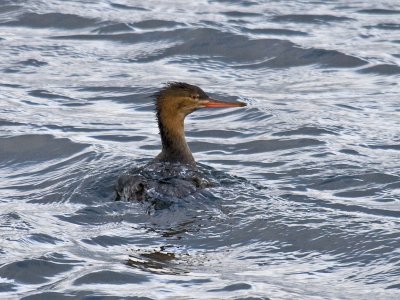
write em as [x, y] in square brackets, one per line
[174, 146]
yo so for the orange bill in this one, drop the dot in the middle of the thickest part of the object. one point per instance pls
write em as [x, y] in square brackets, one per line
[212, 103]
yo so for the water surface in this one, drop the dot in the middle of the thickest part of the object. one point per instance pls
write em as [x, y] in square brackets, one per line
[308, 200]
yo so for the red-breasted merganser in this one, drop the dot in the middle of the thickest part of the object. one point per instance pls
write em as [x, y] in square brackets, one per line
[173, 172]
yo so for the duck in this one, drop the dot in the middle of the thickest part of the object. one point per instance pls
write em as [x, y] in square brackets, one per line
[173, 173]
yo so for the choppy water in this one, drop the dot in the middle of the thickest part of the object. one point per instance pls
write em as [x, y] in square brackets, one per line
[309, 201]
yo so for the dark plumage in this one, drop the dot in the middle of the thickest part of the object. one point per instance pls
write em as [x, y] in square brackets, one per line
[172, 104]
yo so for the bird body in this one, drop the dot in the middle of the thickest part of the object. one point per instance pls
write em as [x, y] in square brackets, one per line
[173, 172]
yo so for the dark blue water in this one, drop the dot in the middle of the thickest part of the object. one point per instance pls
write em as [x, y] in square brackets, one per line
[307, 204]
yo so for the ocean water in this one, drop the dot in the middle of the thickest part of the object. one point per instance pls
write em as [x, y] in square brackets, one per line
[308, 200]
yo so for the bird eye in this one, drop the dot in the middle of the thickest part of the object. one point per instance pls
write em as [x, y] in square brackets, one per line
[196, 97]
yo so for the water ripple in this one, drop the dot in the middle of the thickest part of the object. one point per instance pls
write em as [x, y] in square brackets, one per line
[308, 173]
